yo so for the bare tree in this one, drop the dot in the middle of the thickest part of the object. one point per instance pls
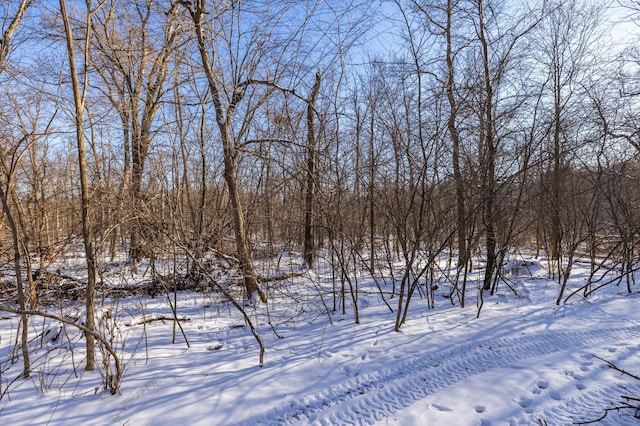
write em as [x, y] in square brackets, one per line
[224, 116]
[134, 45]
[497, 48]
[567, 39]
[79, 96]
[309, 238]
[5, 45]
[443, 19]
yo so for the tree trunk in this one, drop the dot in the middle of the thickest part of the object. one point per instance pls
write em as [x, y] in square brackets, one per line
[17, 265]
[554, 202]
[371, 195]
[242, 245]
[137, 239]
[488, 156]
[309, 238]
[79, 96]
[455, 140]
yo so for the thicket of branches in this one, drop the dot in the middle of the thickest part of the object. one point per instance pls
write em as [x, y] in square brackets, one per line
[417, 130]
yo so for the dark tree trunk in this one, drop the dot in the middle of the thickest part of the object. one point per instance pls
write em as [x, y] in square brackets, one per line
[309, 237]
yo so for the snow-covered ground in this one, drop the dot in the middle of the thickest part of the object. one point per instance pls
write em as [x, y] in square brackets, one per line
[523, 361]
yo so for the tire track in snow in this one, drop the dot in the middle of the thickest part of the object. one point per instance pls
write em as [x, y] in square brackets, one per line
[372, 397]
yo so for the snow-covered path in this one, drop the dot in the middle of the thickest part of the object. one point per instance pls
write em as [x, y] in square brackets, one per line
[373, 397]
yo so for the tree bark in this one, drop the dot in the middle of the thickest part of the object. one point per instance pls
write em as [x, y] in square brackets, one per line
[79, 97]
[17, 265]
[309, 237]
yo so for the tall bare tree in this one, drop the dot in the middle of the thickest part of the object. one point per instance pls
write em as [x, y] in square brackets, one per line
[309, 237]
[225, 110]
[9, 27]
[446, 21]
[497, 50]
[134, 43]
[567, 40]
[80, 89]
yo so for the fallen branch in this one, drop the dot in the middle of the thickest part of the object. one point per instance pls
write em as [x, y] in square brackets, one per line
[160, 318]
[280, 277]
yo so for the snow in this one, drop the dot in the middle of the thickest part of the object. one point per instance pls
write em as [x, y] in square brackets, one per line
[523, 361]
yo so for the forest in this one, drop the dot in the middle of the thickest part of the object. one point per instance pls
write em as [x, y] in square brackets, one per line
[232, 147]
